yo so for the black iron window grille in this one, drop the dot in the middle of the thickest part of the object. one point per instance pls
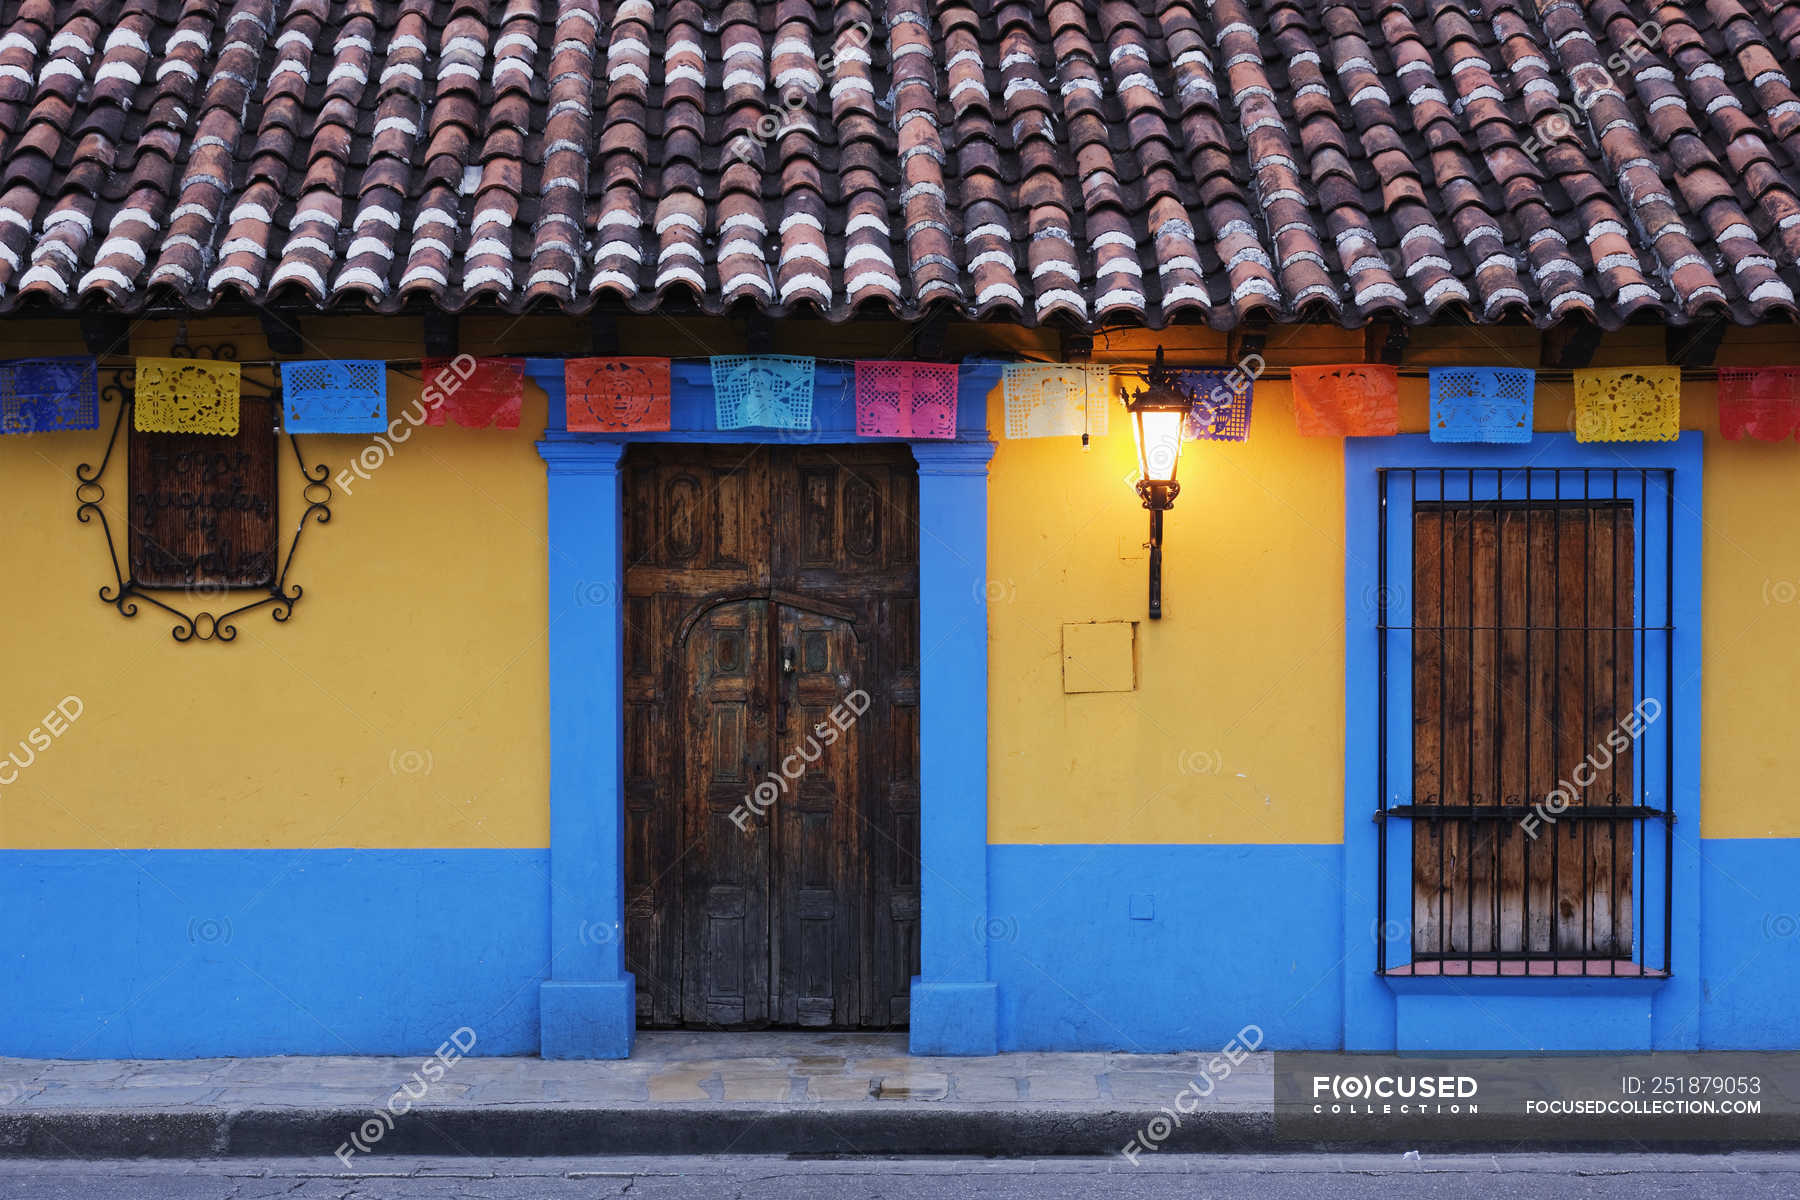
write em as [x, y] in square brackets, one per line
[206, 489]
[1525, 721]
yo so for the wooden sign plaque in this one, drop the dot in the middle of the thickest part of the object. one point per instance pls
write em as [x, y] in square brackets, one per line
[203, 508]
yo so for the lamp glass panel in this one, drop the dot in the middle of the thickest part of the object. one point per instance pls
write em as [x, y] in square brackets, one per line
[1159, 442]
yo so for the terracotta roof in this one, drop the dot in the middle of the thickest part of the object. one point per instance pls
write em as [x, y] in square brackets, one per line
[1100, 162]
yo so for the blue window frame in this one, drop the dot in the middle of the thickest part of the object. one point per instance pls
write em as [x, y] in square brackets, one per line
[1648, 497]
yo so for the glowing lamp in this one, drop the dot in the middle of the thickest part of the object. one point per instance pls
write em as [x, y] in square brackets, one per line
[1158, 416]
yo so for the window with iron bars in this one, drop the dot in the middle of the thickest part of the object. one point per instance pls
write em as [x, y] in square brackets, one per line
[1526, 752]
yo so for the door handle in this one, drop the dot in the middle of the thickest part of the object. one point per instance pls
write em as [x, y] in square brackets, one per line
[787, 660]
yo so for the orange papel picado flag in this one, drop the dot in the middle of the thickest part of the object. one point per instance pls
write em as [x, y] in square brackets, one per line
[616, 395]
[1348, 400]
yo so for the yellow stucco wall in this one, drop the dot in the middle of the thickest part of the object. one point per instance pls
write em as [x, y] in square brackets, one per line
[1750, 744]
[405, 704]
[1235, 731]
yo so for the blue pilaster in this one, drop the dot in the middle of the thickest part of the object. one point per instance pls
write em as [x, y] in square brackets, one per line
[589, 1003]
[955, 1008]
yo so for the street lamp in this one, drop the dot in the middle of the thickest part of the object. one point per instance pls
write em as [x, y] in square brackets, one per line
[1158, 415]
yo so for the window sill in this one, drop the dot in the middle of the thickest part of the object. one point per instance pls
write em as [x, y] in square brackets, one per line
[1528, 978]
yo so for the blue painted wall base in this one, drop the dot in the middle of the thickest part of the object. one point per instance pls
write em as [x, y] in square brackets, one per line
[588, 1020]
[1489, 1017]
[1750, 946]
[191, 953]
[954, 1018]
[1164, 948]
[211, 953]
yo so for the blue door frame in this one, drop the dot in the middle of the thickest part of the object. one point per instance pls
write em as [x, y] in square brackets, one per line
[1537, 1014]
[588, 1005]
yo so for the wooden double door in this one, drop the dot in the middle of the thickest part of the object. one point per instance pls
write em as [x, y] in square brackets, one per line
[771, 735]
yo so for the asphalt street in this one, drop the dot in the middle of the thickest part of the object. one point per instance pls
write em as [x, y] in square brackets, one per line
[1174, 1177]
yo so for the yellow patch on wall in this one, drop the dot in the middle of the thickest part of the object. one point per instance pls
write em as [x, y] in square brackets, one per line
[1099, 656]
[403, 705]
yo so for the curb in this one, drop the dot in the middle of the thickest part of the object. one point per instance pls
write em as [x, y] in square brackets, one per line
[824, 1130]
[565, 1130]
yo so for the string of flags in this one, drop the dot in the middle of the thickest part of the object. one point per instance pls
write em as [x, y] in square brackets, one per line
[892, 399]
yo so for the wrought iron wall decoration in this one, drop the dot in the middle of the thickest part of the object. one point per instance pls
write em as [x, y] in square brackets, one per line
[213, 533]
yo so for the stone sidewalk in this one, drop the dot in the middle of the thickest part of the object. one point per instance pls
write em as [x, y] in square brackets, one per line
[821, 1094]
[665, 1069]
[824, 1093]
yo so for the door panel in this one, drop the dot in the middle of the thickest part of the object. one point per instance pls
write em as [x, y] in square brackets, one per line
[772, 641]
[696, 529]
[817, 831]
[891, 825]
[726, 748]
